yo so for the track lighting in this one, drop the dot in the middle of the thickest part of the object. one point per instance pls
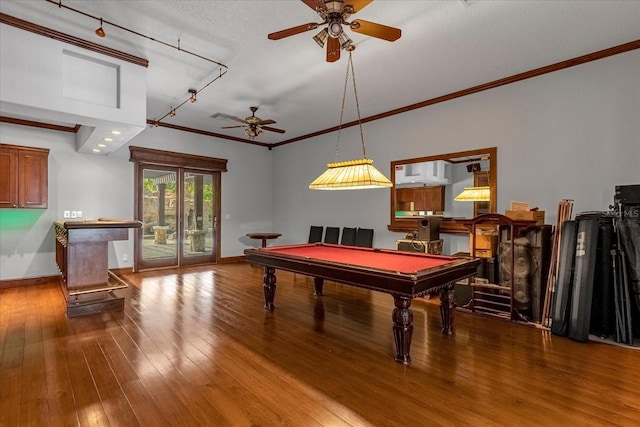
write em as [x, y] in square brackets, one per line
[100, 31]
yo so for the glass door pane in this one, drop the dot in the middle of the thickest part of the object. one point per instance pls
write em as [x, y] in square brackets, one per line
[199, 217]
[160, 217]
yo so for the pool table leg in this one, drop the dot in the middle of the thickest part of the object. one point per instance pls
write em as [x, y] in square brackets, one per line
[318, 284]
[447, 307]
[402, 328]
[269, 287]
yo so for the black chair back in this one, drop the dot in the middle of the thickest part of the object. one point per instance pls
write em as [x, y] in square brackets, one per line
[331, 235]
[348, 236]
[315, 233]
[364, 237]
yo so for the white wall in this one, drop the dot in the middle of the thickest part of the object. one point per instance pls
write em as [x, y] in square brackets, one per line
[571, 134]
[103, 187]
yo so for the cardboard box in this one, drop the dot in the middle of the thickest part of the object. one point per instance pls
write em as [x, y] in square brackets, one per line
[486, 241]
[537, 216]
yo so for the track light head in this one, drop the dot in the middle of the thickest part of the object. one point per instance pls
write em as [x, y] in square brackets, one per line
[193, 93]
[100, 31]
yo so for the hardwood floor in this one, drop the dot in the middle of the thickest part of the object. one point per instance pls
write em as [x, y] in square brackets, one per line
[195, 347]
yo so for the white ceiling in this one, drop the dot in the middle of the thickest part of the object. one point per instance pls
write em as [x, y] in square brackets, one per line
[446, 46]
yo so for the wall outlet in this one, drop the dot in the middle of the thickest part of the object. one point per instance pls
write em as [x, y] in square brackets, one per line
[67, 214]
[125, 257]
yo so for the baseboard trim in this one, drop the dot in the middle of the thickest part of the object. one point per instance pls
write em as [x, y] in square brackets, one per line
[232, 259]
[12, 283]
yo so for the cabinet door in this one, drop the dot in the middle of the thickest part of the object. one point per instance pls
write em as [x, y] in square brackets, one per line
[434, 198]
[33, 176]
[8, 178]
[410, 199]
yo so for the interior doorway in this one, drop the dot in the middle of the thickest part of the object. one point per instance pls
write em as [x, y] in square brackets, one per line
[179, 207]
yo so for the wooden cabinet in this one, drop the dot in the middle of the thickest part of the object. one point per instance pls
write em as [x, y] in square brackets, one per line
[23, 177]
[422, 198]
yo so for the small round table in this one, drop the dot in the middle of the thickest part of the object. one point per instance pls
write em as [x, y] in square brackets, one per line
[264, 237]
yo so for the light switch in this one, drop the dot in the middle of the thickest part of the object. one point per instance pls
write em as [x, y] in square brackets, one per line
[67, 214]
[79, 214]
[73, 214]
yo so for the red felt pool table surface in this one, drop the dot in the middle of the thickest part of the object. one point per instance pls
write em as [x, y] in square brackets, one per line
[401, 262]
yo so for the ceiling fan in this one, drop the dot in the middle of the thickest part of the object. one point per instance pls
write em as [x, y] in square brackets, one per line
[254, 125]
[335, 14]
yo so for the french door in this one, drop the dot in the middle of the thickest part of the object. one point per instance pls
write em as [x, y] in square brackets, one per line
[177, 199]
[178, 211]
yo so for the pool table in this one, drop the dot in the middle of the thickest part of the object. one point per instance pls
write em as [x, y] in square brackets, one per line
[404, 275]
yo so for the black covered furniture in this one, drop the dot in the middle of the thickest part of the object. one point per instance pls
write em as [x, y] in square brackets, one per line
[364, 237]
[348, 236]
[315, 233]
[331, 235]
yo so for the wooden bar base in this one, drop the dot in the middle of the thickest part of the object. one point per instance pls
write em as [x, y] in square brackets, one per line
[96, 299]
[82, 257]
[109, 301]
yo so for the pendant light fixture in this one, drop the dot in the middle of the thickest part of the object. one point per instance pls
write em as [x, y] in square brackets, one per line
[352, 174]
[474, 194]
[477, 193]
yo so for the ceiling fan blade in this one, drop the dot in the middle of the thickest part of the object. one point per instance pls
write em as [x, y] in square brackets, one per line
[376, 30]
[357, 4]
[267, 122]
[226, 116]
[273, 129]
[292, 31]
[231, 127]
[333, 49]
[314, 4]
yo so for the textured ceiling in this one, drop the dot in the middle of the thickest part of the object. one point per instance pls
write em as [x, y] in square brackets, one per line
[445, 46]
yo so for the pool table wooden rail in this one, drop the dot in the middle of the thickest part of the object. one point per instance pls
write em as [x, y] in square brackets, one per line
[403, 286]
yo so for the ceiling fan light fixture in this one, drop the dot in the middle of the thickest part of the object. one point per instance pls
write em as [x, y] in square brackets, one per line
[253, 132]
[344, 40]
[321, 37]
[100, 31]
[335, 28]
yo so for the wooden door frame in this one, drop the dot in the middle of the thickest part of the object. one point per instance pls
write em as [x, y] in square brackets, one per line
[149, 158]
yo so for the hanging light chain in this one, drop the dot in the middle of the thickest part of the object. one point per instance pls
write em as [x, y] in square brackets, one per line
[344, 97]
[355, 92]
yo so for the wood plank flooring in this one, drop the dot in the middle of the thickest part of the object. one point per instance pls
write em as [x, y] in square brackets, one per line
[195, 347]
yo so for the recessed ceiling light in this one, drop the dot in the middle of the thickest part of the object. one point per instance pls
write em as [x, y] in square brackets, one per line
[115, 132]
[108, 139]
[95, 150]
[102, 145]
